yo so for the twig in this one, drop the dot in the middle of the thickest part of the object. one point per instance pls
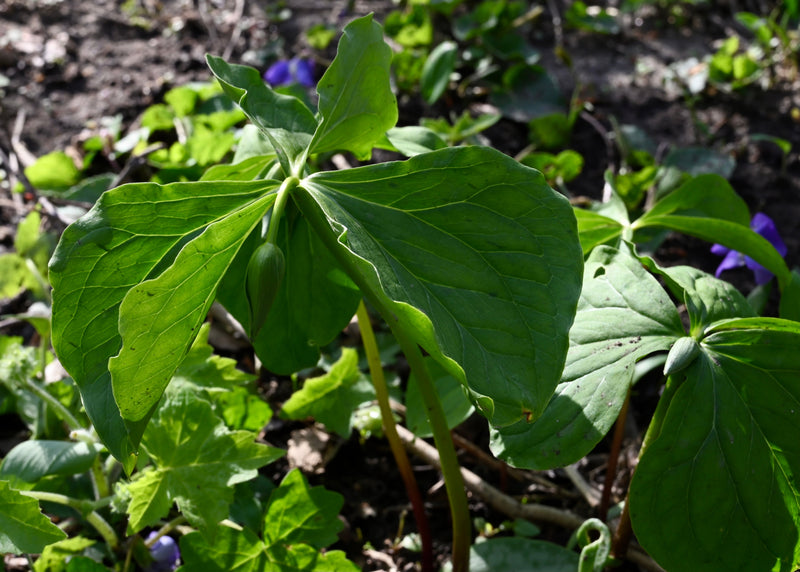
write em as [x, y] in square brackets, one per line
[134, 162]
[238, 11]
[497, 499]
[586, 490]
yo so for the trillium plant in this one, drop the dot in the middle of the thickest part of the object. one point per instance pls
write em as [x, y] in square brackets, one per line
[546, 316]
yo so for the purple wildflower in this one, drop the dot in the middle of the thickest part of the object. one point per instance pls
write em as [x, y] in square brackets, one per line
[165, 554]
[764, 226]
[296, 70]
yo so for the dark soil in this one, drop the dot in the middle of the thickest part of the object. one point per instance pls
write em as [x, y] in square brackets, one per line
[69, 63]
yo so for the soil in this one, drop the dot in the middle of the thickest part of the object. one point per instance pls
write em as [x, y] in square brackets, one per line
[66, 64]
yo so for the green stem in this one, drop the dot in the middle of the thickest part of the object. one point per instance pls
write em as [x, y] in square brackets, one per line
[62, 412]
[277, 209]
[441, 433]
[390, 430]
[88, 509]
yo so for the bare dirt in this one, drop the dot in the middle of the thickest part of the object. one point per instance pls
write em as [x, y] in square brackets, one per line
[66, 64]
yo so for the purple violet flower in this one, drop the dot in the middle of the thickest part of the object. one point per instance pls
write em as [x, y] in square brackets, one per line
[764, 226]
[165, 554]
[285, 72]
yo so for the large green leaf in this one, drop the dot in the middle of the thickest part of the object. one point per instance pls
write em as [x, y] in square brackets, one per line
[623, 315]
[356, 103]
[717, 488]
[134, 243]
[23, 528]
[285, 120]
[475, 243]
[197, 460]
[521, 555]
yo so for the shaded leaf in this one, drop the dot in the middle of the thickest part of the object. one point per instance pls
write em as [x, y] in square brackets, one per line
[31, 460]
[623, 316]
[455, 403]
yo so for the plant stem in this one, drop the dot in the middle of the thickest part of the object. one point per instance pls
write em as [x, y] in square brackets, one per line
[441, 434]
[613, 458]
[451, 471]
[390, 430]
[624, 531]
[277, 209]
[58, 408]
[85, 508]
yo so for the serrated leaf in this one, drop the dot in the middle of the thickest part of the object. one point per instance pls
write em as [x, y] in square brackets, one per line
[23, 528]
[300, 514]
[31, 460]
[470, 240]
[285, 120]
[623, 316]
[356, 103]
[131, 244]
[716, 489]
[331, 398]
[196, 462]
[234, 551]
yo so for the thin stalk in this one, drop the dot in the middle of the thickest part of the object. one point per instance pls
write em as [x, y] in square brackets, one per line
[451, 470]
[58, 408]
[277, 209]
[164, 530]
[441, 433]
[624, 532]
[390, 430]
[613, 458]
[84, 507]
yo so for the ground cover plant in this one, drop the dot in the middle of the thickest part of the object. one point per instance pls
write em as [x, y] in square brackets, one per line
[533, 317]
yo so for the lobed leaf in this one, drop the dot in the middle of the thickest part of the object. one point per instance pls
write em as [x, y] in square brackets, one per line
[197, 460]
[472, 241]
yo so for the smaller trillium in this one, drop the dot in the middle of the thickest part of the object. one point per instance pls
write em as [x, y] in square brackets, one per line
[764, 226]
[296, 70]
[165, 554]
